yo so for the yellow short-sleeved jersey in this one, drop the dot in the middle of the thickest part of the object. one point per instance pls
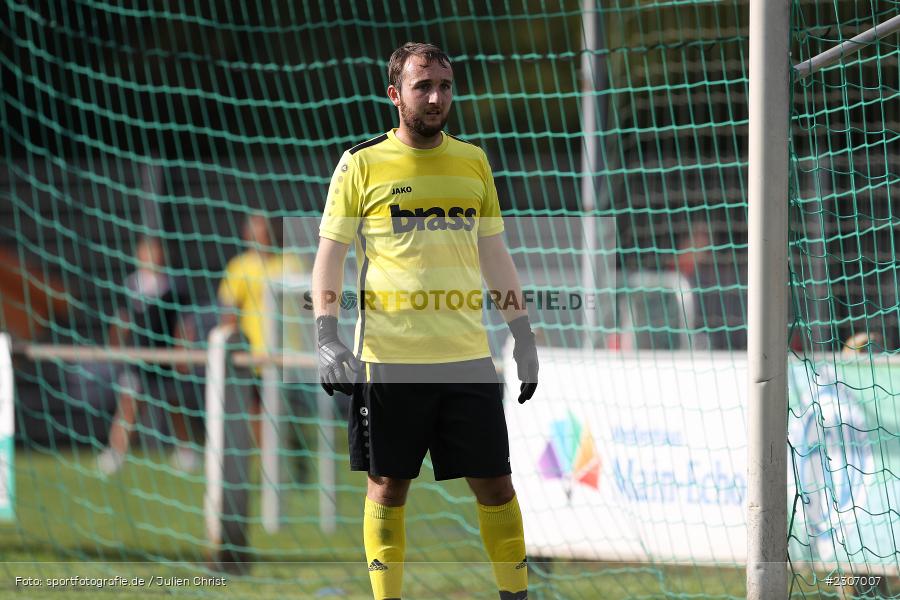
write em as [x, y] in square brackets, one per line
[244, 287]
[415, 216]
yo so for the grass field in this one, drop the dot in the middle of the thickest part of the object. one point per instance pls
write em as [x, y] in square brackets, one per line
[147, 522]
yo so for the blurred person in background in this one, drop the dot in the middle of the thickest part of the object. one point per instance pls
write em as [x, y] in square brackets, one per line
[149, 319]
[714, 278]
[30, 299]
[242, 299]
[863, 343]
[694, 262]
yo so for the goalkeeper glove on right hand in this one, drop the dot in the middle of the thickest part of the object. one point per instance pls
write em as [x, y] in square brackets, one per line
[335, 359]
[525, 355]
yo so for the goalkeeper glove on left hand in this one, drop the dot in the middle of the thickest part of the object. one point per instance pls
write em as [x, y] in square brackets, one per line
[335, 358]
[526, 357]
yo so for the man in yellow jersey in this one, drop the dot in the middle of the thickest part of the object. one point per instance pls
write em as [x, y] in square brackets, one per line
[242, 292]
[422, 209]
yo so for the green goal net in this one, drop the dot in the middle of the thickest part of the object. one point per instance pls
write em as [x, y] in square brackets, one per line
[843, 425]
[179, 136]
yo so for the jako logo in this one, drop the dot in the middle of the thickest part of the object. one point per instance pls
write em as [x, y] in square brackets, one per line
[434, 219]
[400, 190]
[570, 453]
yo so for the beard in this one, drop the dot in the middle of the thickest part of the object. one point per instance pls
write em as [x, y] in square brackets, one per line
[416, 124]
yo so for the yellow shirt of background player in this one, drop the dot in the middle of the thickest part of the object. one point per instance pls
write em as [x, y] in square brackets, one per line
[244, 288]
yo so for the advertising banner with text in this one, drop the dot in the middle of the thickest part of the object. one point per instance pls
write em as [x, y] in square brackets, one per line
[642, 457]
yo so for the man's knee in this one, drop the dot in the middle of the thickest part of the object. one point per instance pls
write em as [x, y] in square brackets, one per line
[492, 491]
[388, 491]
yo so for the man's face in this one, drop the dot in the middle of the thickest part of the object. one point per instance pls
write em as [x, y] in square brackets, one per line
[150, 255]
[256, 231]
[425, 96]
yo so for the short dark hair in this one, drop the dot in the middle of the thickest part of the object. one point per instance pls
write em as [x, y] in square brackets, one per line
[429, 52]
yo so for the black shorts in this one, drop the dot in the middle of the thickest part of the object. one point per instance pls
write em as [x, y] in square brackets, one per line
[394, 421]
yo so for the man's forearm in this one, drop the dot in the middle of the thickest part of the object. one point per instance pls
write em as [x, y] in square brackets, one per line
[501, 277]
[328, 277]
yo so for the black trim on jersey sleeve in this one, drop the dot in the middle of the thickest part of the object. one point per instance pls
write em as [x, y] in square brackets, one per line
[461, 140]
[361, 286]
[366, 144]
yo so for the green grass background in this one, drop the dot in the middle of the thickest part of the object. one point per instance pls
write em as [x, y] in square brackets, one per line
[147, 521]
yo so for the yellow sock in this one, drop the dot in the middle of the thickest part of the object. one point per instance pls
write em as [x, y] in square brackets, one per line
[504, 540]
[384, 534]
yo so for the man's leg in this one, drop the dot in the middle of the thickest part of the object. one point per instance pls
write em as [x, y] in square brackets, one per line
[113, 456]
[384, 534]
[500, 521]
[123, 423]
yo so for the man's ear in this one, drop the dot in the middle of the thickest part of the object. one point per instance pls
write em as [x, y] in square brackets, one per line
[394, 95]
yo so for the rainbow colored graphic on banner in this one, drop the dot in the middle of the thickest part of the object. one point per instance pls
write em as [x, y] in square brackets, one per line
[571, 453]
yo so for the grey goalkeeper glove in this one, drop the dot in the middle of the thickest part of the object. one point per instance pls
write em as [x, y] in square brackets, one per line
[335, 359]
[526, 357]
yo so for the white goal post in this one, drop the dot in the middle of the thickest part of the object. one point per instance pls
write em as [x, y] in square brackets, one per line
[767, 311]
[847, 47]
